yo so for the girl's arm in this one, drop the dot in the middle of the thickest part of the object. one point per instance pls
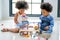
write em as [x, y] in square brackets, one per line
[15, 18]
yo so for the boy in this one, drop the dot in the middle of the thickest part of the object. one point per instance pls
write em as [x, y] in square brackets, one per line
[20, 18]
[47, 21]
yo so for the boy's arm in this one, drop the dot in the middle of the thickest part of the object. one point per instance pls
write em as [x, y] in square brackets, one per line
[15, 18]
[50, 26]
[51, 23]
[40, 19]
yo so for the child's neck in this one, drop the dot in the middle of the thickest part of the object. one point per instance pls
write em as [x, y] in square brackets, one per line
[21, 13]
[47, 15]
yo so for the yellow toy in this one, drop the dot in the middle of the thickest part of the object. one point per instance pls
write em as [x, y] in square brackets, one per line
[27, 35]
[36, 27]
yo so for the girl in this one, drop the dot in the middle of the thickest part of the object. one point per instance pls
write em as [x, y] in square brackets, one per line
[20, 18]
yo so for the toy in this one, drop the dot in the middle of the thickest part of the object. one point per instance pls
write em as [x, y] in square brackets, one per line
[28, 31]
[2, 24]
[36, 27]
[2, 27]
[24, 17]
[25, 33]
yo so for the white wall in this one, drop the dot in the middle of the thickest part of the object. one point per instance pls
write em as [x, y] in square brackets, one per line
[0, 10]
[5, 8]
[54, 3]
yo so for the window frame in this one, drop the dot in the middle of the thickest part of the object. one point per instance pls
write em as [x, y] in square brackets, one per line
[58, 11]
[30, 15]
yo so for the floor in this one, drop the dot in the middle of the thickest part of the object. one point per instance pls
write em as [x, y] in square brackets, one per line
[16, 36]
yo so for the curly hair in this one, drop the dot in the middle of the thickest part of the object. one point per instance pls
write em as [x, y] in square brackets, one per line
[21, 5]
[48, 7]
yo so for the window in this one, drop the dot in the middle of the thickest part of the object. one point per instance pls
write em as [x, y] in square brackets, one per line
[58, 8]
[34, 7]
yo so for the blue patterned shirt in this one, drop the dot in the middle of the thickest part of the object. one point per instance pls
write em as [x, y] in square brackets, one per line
[47, 21]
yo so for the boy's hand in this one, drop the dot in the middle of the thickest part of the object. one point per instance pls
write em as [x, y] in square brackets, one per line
[47, 27]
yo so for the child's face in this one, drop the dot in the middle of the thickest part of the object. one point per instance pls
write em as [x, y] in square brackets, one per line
[22, 11]
[44, 12]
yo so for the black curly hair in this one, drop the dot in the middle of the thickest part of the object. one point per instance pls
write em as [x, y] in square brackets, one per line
[48, 7]
[21, 5]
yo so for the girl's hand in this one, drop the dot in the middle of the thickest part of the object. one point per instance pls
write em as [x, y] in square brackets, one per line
[23, 14]
[16, 22]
